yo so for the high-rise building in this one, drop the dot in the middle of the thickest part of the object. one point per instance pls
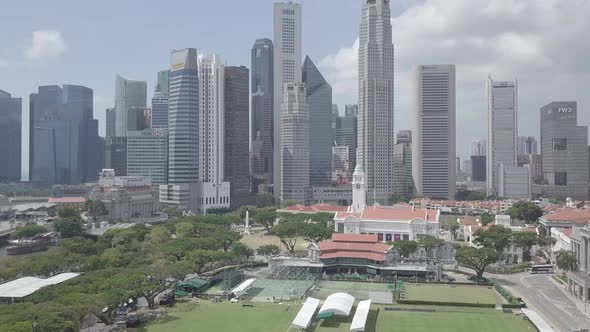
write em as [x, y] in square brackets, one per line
[128, 94]
[564, 149]
[109, 134]
[236, 134]
[376, 133]
[433, 137]
[321, 134]
[478, 148]
[147, 155]
[404, 136]
[163, 85]
[287, 69]
[514, 182]
[351, 110]
[335, 114]
[262, 140]
[117, 150]
[139, 118]
[404, 185]
[183, 126]
[159, 111]
[341, 172]
[10, 137]
[213, 191]
[295, 144]
[478, 168]
[526, 145]
[467, 170]
[345, 135]
[502, 129]
[63, 138]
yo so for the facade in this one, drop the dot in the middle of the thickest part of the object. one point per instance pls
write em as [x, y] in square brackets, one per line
[467, 167]
[478, 148]
[236, 134]
[63, 137]
[183, 126]
[564, 150]
[321, 133]
[287, 69]
[10, 137]
[213, 191]
[109, 134]
[262, 139]
[376, 133]
[117, 152]
[535, 164]
[514, 182]
[163, 85]
[159, 111]
[478, 168]
[502, 129]
[579, 281]
[403, 182]
[433, 138]
[341, 173]
[526, 145]
[128, 94]
[346, 135]
[139, 118]
[147, 155]
[126, 198]
[294, 170]
[341, 195]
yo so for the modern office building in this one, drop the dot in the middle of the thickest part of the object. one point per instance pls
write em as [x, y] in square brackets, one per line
[467, 168]
[478, 168]
[10, 137]
[183, 131]
[335, 115]
[159, 111]
[117, 150]
[63, 137]
[341, 172]
[163, 85]
[147, 155]
[128, 94]
[478, 148]
[514, 182]
[351, 110]
[287, 69]
[564, 149]
[346, 135]
[526, 145]
[376, 133]
[502, 129]
[213, 191]
[321, 134]
[236, 134]
[295, 144]
[139, 118]
[433, 137]
[262, 138]
[109, 134]
[402, 181]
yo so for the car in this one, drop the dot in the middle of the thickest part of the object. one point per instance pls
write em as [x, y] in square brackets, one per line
[521, 302]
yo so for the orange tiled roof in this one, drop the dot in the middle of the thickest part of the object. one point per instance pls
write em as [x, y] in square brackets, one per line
[323, 207]
[577, 216]
[391, 213]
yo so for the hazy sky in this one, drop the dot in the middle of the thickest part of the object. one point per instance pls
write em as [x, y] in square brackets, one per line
[543, 43]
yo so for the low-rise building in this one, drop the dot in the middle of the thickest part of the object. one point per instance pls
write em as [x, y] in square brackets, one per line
[565, 218]
[562, 237]
[579, 281]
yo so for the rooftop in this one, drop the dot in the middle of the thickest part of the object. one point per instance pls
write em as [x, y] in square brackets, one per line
[353, 246]
[323, 207]
[576, 216]
[393, 213]
[66, 200]
[25, 286]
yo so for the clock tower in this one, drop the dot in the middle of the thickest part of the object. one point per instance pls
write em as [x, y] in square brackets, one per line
[359, 190]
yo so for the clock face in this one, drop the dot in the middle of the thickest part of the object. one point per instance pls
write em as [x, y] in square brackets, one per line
[358, 186]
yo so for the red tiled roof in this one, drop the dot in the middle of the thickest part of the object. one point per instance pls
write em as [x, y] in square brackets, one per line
[566, 231]
[344, 237]
[354, 246]
[323, 207]
[66, 200]
[391, 213]
[351, 254]
[469, 221]
[577, 216]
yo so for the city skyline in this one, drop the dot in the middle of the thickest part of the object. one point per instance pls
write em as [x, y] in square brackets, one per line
[57, 53]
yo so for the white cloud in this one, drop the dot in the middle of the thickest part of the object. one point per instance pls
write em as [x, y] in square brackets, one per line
[542, 43]
[45, 43]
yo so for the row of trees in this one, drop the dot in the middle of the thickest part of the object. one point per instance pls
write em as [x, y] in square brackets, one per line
[310, 227]
[407, 247]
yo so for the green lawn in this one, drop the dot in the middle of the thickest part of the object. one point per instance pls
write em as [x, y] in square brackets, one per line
[270, 317]
[360, 290]
[446, 293]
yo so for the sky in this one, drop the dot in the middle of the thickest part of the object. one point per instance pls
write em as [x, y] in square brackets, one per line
[544, 44]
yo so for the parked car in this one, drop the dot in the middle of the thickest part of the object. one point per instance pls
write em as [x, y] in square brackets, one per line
[521, 302]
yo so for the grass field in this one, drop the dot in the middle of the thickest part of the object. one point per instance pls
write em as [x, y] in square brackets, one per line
[446, 293]
[271, 317]
[266, 289]
[360, 290]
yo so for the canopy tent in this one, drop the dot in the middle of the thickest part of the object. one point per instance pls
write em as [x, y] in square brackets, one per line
[338, 303]
[305, 314]
[19, 288]
[192, 284]
[539, 323]
[360, 316]
[243, 286]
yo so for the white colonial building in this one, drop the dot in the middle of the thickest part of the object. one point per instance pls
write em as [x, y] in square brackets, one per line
[389, 223]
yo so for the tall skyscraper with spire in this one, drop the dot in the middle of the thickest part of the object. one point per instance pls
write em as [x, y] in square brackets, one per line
[376, 135]
[287, 69]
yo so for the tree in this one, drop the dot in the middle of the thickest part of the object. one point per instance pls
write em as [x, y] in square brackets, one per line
[68, 211]
[241, 252]
[79, 245]
[486, 218]
[289, 202]
[566, 260]
[526, 241]
[453, 228]
[68, 226]
[185, 230]
[265, 217]
[203, 260]
[405, 247]
[160, 276]
[95, 208]
[397, 198]
[268, 250]
[477, 259]
[28, 230]
[315, 232]
[496, 237]
[158, 235]
[526, 211]
[469, 195]
[288, 233]
[429, 242]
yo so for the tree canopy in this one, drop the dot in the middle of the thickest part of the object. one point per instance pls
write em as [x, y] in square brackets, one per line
[525, 211]
[405, 247]
[486, 218]
[477, 259]
[496, 237]
[27, 231]
[566, 260]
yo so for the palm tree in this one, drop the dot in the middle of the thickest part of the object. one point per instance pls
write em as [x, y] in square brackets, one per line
[566, 260]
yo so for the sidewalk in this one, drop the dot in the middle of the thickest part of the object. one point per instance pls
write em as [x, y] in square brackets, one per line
[579, 303]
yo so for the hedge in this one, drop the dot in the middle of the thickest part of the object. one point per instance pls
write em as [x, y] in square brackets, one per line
[453, 304]
[511, 306]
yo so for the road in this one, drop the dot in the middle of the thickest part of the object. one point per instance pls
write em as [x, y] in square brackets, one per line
[547, 298]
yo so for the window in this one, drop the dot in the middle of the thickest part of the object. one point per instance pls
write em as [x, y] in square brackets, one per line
[560, 144]
[560, 178]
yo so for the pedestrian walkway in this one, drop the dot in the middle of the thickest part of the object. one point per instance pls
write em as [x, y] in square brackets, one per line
[558, 297]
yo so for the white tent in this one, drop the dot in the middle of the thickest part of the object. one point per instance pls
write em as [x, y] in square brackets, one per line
[239, 289]
[360, 316]
[25, 286]
[303, 318]
[338, 303]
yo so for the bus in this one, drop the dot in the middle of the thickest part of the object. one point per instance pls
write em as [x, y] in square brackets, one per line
[542, 268]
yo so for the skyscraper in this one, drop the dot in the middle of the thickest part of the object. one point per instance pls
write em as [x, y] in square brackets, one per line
[295, 144]
[63, 139]
[163, 85]
[262, 115]
[502, 129]
[321, 134]
[236, 134]
[10, 137]
[376, 135]
[147, 155]
[345, 135]
[128, 94]
[160, 101]
[478, 148]
[213, 192]
[287, 69]
[403, 183]
[564, 149]
[526, 145]
[433, 138]
[183, 125]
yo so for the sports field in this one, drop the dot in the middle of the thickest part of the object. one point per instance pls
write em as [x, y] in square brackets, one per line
[450, 293]
[360, 290]
[267, 289]
[231, 317]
